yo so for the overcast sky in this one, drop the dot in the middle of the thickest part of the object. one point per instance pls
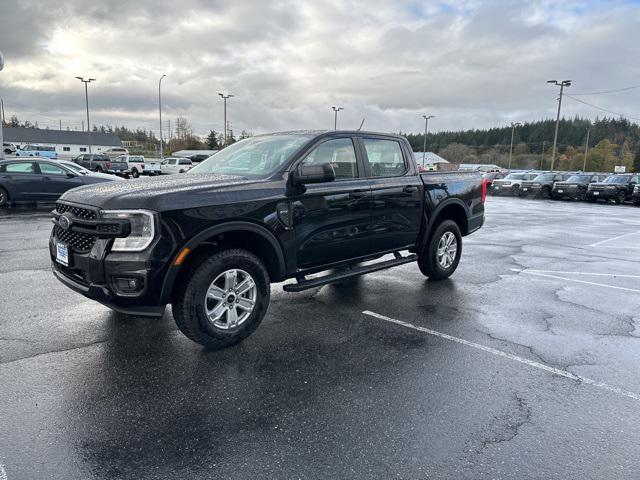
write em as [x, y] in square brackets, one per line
[472, 64]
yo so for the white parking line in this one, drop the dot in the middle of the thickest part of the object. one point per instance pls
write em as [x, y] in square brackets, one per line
[612, 275]
[3, 473]
[557, 277]
[510, 356]
[597, 244]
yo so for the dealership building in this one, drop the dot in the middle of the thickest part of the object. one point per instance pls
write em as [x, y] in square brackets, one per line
[68, 143]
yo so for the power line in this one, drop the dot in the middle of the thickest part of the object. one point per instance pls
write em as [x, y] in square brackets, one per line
[608, 91]
[603, 109]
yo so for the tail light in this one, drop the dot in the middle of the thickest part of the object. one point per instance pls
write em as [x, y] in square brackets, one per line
[107, 165]
[142, 166]
[484, 190]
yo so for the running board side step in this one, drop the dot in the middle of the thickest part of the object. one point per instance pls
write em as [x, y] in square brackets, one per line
[349, 272]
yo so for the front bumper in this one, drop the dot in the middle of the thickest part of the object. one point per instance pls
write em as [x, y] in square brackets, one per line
[635, 197]
[503, 189]
[567, 192]
[602, 194]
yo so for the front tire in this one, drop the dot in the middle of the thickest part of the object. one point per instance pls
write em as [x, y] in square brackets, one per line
[620, 198]
[223, 299]
[441, 255]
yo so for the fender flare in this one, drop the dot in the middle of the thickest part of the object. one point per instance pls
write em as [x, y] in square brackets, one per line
[424, 236]
[197, 240]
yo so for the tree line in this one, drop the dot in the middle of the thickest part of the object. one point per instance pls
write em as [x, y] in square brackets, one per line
[612, 142]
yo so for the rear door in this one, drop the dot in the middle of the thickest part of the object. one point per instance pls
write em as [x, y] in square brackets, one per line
[22, 181]
[396, 191]
[331, 220]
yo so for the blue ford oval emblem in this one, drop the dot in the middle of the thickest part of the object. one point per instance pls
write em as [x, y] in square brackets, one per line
[64, 222]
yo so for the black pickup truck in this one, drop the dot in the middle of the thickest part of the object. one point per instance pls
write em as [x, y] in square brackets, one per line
[309, 206]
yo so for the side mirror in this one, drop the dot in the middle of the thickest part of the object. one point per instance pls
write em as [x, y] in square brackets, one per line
[314, 173]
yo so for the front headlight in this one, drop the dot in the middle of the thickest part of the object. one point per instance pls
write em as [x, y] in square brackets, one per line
[142, 233]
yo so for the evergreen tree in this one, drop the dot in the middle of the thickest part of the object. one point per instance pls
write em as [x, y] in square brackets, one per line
[212, 140]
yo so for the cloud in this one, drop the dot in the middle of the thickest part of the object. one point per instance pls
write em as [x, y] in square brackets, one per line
[473, 64]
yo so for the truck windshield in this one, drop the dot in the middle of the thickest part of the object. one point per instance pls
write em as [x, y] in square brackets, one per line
[617, 179]
[256, 156]
[579, 179]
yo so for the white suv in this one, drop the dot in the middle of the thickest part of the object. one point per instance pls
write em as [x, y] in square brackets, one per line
[175, 165]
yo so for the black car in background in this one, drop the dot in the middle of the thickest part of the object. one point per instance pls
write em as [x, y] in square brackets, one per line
[510, 185]
[40, 180]
[576, 185]
[542, 185]
[618, 188]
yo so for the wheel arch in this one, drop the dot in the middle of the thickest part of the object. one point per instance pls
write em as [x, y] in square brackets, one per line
[252, 237]
[452, 209]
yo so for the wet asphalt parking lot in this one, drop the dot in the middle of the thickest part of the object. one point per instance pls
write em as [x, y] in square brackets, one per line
[523, 365]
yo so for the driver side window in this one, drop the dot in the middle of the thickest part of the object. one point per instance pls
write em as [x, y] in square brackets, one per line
[340, 153]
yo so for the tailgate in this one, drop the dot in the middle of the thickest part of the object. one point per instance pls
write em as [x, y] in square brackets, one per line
[152, 166]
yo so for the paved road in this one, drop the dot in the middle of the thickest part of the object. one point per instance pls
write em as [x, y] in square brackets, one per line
[464, 388]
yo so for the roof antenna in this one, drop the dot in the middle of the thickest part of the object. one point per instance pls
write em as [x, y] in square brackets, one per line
[362, 123]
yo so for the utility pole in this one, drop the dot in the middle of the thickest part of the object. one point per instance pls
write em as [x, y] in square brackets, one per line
[335, 116]
[170, 136]
[513, 130]
[60, 124]
[2, 121]
[224, 97]
[562, 84]
[424, 143]
[86, 97]
[586, 150]
[542, 155]
[160, 112]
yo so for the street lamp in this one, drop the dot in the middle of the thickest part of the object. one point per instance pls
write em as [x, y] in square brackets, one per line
[160, 112]
[224, 97]
[562, 84]
[335, 116]
[513, 129]
[424, 144]
[86, 97]
[586, 150]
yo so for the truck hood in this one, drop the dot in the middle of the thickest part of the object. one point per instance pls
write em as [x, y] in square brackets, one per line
[155, 193]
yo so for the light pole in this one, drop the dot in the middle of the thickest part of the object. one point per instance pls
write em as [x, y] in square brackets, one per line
[562, 84]
[160, 112]
[424, 143]
[1, 118]
[586, 150]
[335, 116]
[86, 97]
[513, 130]
[224, 97]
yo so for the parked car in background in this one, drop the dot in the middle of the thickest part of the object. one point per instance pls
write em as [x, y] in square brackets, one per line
[541, 185]
[510, 185]
[137, 165]
[83, 171]
[38, 180]
[97, 162]
[618, 188]
[37, 151]
[8, 148]
[175, 165]
[115, 152]
[576, 185]
[489, 177]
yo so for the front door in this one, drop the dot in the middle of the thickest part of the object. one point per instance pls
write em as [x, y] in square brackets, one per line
[396, 194]
[331, 220]
[55, 180]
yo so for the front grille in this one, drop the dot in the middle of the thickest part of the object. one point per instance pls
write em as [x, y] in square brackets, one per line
[84, 213]
[597, 187]
[108, 228]
[79, 242]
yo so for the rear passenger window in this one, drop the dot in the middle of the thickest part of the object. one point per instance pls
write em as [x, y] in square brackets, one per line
[21, 167]
[385, 157]
[339, 153]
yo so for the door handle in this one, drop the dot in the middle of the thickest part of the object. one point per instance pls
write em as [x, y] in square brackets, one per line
[356, 194]
[409, 189]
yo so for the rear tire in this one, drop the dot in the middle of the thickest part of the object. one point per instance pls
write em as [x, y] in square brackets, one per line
[98, 170]
[4, 197]
[135, 173]
[211, 307]
[441, 255]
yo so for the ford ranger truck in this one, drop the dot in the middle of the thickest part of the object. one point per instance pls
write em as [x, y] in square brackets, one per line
[306, 206]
